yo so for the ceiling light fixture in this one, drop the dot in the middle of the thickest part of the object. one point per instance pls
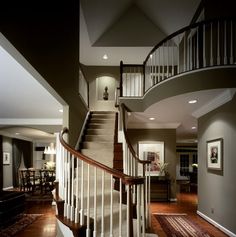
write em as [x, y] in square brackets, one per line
[192, 101]
[61, 110]
[17, 133]
[151, 118]
[105, 57]
[194, 127]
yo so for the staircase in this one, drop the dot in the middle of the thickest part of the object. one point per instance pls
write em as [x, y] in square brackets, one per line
[99, 199]
[98, 141]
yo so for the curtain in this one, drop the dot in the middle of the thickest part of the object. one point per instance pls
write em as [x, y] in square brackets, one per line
[21, 150]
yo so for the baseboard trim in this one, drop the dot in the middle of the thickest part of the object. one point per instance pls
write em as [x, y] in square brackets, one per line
[7, 188]
[223, 229]
[173, 199]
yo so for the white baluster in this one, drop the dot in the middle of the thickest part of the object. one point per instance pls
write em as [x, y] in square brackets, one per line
[143, 224]
[102, 211]
[66, 184]
[178, 55]
[88, 202]
[82, 194]
[138, 212]
[185, 54]
[225, 43]
[197, 41]
[204, 46]
[72, 211]
[111, 207]
[163, 67]
[77, 193]
[172, 64]
[231, 43]
[69, 185]
[167, 66]
[120, 210]
[218, 43]
[159, 64]
[128, 207]
[211, 47]
[95, 203]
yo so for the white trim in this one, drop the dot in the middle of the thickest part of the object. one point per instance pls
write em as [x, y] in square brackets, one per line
[223, 98]
[30, 121]
[226, 231]
[153, 125]
[82, 130]
[6, 45]
[7, 188]
[173, 199]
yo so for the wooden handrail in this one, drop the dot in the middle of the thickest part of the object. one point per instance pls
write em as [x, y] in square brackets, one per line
[124, 109]
[126, 179]
[189, 27]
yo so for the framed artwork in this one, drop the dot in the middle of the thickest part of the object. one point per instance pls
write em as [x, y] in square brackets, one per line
[215, 154]
[6, 158]
[153, 151]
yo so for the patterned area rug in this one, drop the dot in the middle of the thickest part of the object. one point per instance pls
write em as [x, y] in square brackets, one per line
[179, 225]
[21, 222]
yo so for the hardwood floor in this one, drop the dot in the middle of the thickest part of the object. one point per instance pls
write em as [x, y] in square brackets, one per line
[45, 226]
[186, 203]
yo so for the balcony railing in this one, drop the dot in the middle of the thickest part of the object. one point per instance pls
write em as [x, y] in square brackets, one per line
[201, 45]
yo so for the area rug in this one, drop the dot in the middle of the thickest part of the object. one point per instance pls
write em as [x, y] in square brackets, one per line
[21, 222]
[179, 225]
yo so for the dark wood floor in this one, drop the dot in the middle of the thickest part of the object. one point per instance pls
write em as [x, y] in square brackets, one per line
[186, 203]
[45, 226]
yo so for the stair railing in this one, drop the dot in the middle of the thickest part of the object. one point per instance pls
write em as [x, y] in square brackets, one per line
[82, 176]
[205, 44]
[133, 165]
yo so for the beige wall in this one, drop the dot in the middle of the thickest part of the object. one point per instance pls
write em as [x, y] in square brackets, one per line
[92, 73]
[217, 189]
[168, 136]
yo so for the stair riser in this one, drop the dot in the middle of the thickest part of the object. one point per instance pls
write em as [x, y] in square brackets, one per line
[97, 145]
[100, 132]
[100, 126]
[98, 138]
[103, 116]
[102, 121]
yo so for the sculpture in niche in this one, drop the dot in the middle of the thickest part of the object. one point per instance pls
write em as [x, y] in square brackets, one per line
[105, 93]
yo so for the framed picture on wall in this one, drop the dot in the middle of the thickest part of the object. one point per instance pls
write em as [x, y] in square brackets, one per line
[153, 151]
[215, 154]
[6, 158]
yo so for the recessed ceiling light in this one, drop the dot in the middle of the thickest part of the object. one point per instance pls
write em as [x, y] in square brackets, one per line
[61, 110]
[151, 118]
[17, 133]
[192, 101]
[194, 127]
[105, 57]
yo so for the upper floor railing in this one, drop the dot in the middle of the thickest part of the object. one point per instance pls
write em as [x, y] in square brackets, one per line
[204, 44]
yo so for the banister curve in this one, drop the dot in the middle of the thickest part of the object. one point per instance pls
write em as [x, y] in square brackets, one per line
[127, 179]
[186, 28]
[125, 108]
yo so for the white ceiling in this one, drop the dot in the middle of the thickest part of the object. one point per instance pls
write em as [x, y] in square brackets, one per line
[175, 112]
[24, 101]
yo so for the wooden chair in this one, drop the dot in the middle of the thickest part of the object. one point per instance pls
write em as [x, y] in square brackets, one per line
[47, 178]
[28, 180]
